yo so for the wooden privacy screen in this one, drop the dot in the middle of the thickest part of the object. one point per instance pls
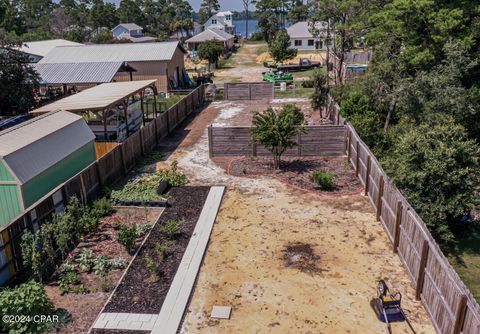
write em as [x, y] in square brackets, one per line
[108, 169]
[449, 303]
[323, 140]
[249, 91]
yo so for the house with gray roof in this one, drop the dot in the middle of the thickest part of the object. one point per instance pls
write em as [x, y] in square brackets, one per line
[38, 49]
[301, 36]
[101, 63]
[132, 32]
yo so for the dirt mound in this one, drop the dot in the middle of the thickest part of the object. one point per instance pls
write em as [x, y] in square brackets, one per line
[301, 256]
[314, 56]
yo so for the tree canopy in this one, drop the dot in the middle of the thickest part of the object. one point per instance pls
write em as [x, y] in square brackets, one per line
[280, 48]
[211, 50]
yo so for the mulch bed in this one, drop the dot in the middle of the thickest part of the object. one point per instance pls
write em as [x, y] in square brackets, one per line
[138, 292]
[296, 172]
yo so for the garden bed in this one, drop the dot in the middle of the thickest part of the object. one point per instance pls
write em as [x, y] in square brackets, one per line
[84, 308]
[297, 172]
[145, 285]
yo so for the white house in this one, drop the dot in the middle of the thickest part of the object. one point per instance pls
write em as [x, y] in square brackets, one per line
[221, 21]
[302, 39]
[132, 32]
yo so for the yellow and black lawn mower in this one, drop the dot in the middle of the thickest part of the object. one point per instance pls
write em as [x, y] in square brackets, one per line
[387, 306]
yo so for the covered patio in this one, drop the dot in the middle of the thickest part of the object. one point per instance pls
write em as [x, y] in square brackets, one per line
[112, 110]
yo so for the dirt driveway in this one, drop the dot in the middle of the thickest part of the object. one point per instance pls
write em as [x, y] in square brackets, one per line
[287, 261]
[243, 66]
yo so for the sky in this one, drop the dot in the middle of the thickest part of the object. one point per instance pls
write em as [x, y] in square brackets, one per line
[224, 4]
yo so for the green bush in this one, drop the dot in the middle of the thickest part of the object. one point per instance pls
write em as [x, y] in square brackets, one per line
[325, 179]
[162, 249]
[101, 265]
[172, 228]
[127, 236]
[28, 299]
[85, 259]
[67, 281]
[102, 207]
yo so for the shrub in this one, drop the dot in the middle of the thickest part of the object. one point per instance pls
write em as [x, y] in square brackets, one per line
[325, 179]
[162, 249]
[172, 228]
[142, 228]
[127, 236]
[102, 207]
[101, 265]
[67, 281]
[28, 299]
[152, 268]
[118, 263]
[85, 259]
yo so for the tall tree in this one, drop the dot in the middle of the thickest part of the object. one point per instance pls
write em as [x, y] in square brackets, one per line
[130, 11]
[280, 48]
[207, 9]
[211, 50]
[17, 78]
[298, 12]
[271, 17]
[246, 4]
[182, 20]
[103, 15]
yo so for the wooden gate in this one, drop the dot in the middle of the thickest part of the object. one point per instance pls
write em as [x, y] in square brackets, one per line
[249, 91]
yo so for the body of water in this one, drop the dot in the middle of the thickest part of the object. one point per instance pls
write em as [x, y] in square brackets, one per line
[240, 26]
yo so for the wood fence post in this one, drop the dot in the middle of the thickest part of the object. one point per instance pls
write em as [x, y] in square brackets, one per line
[168, 119]
[367, 175]
[99, 174]
[124, 163]
[460, 315]
[357, 162]
[210, 141]
[299, 147]
[254, 149]
[349, 141]
[379, 197]
[142, 149]
[155, 127]
[398, 220]
[421, 270]
[84, 189]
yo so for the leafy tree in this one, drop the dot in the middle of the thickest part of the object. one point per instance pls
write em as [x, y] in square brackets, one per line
[211, 51]
[276, 130]
[207, 8]
[271, 16]
[280, 48]
[103, 14]
[17, 79]
[438, 168]
[246, 4]
[129, 11]
[182, 18]
[298, 12]
[104, 36]
[319, 95]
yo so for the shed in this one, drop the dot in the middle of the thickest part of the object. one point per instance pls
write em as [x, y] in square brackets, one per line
[211, 34]
[38, 155]
[163, 62]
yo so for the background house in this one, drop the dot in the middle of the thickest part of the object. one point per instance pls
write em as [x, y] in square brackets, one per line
[38, 155]
[39, 49]
[132, 32]
[211, 34]
[221, 21]
[163, 62]
[302, 39]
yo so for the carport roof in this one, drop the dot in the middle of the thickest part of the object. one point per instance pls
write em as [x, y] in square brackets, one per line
[100, 97]
[80, 73]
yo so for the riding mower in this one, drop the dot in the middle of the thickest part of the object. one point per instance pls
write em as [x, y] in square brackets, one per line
[388, 307]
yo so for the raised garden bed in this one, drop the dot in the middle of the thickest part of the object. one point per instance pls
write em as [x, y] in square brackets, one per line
[143, 288]
[84, 308]
[297, 172]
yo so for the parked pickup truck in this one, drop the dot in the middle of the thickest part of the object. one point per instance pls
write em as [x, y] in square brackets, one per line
[303, 65]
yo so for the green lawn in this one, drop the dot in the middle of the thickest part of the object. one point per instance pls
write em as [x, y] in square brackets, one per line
[466, 261]
[299, 92]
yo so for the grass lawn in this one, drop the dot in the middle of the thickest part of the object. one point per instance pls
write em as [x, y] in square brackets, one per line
[262, 49]
[302, 74]
[290, 93]
[466, 261]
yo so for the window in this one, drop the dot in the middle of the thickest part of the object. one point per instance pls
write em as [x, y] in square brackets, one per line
[298, 42]
[214, 21]
[228, 17]
[310, 42]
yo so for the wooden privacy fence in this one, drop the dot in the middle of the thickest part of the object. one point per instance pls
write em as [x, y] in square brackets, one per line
[449, 303]
[86, 185]
[249, 91]
[317, 141]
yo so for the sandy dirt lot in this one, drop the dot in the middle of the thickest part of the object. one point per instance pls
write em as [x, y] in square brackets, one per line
[285, 260]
